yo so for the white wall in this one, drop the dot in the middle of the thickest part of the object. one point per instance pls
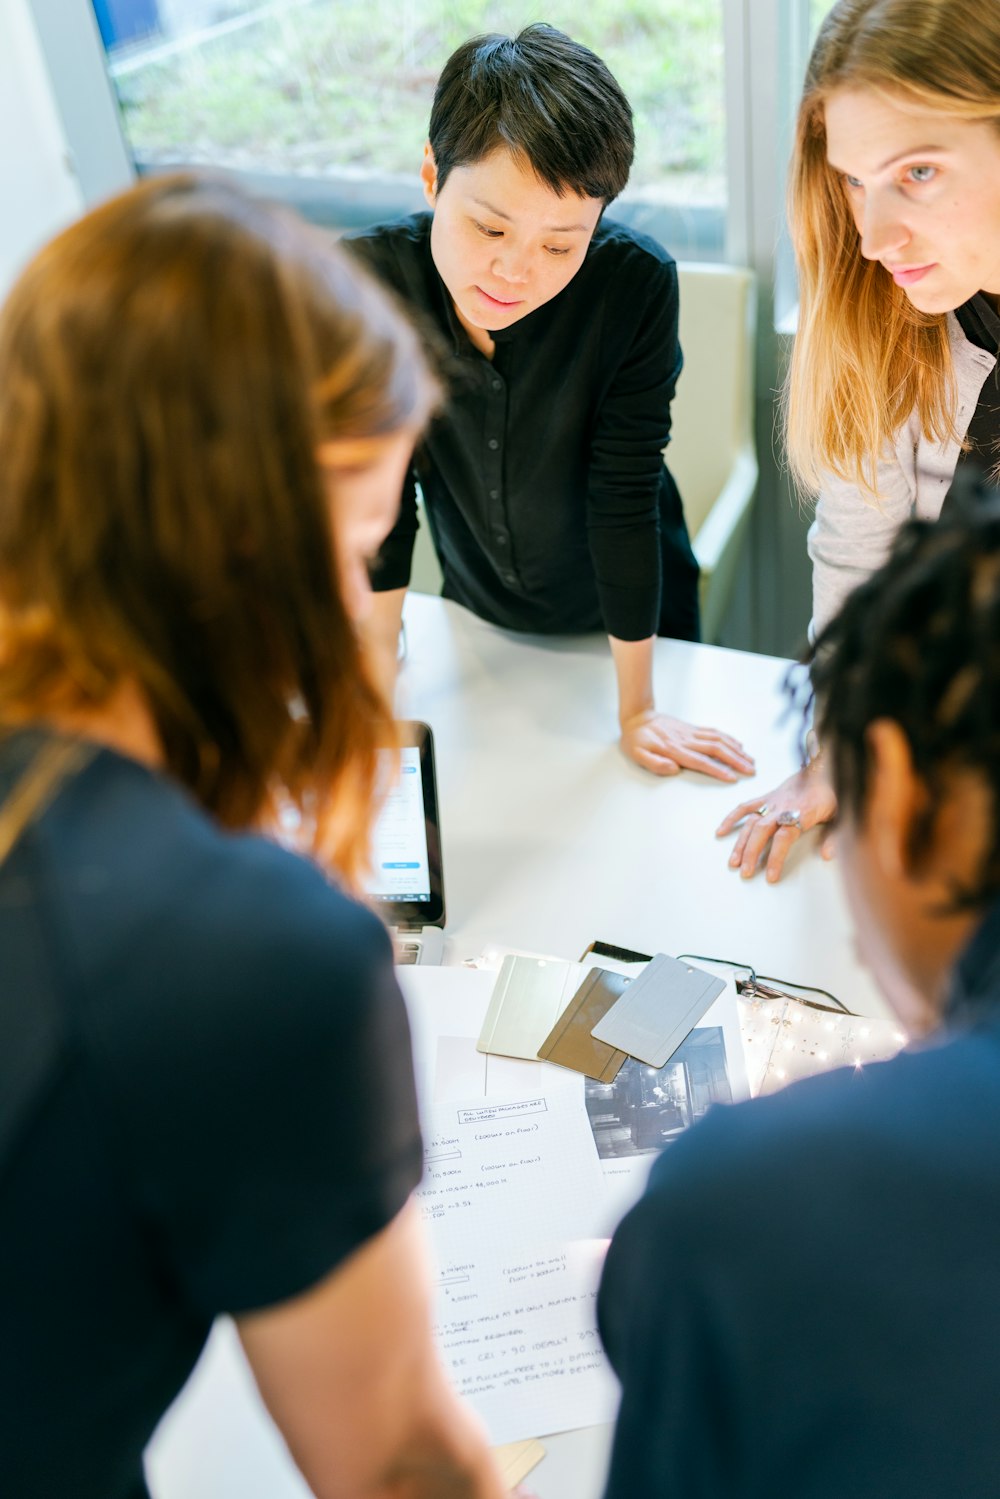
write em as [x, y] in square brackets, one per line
[38, 191]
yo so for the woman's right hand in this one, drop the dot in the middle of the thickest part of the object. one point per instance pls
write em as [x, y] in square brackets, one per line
[807, 793]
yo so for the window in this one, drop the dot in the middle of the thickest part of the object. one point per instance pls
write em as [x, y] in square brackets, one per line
[330, 98]
[817, 10]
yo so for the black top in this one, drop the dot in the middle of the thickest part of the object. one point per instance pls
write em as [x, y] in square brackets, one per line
[979, 322]
[548, 499]
[221, 1108]
[806, 1301]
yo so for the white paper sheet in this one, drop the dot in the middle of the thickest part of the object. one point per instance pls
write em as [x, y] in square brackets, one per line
[530, 1366]
[511, 1196]
[445, 1002]
[447, 1007]
[531, 1359]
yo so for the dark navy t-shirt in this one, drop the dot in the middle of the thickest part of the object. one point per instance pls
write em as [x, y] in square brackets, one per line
[209, 1095]
[806, 1302]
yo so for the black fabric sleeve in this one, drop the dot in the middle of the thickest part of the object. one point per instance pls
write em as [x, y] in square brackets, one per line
[631, 431]
[391, 568]
[276, 1105]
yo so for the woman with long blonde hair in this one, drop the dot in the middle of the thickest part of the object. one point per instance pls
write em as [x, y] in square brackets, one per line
[206, 1089]
[895, 217]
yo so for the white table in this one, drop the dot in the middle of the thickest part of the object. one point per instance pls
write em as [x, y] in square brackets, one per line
[552, 839]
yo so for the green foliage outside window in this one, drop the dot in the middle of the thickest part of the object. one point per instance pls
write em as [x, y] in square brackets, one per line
[320, 86]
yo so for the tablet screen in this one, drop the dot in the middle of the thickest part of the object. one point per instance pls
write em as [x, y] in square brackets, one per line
[407, 878]
[399, 844]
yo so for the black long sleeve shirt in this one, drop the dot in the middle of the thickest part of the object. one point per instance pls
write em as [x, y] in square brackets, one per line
[543, 479]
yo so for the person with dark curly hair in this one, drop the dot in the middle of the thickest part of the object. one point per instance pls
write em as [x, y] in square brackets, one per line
[806, 1300]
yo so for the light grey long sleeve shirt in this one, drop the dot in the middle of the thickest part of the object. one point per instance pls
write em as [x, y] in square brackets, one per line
[851, 535]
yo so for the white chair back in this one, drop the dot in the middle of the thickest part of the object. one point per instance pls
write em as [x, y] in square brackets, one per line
[712, 410]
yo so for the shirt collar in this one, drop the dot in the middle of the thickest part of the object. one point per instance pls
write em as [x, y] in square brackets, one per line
[463, 345]
[975, 986]
[980, 323]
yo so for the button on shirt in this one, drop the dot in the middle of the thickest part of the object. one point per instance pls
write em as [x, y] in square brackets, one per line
[543, 479]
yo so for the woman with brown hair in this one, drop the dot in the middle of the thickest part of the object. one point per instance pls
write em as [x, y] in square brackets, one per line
[895, 217]
[206, 1091]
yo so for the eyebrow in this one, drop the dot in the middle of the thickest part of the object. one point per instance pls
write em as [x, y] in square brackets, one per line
[903, 156]
[552, 228]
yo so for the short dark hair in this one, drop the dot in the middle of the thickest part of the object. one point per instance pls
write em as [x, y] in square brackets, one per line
[544, 97]
[919, 643]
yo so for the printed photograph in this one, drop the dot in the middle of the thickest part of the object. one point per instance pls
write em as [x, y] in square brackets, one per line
[644, 1109]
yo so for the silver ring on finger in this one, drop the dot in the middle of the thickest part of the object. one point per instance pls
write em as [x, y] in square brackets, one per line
[761, 811]
[790, 820]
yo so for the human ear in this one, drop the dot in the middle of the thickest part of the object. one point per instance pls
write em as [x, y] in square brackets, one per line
[896, 802]
[428, 175]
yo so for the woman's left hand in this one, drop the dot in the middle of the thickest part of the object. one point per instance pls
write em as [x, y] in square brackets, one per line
[774, 822]
[668, 745]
